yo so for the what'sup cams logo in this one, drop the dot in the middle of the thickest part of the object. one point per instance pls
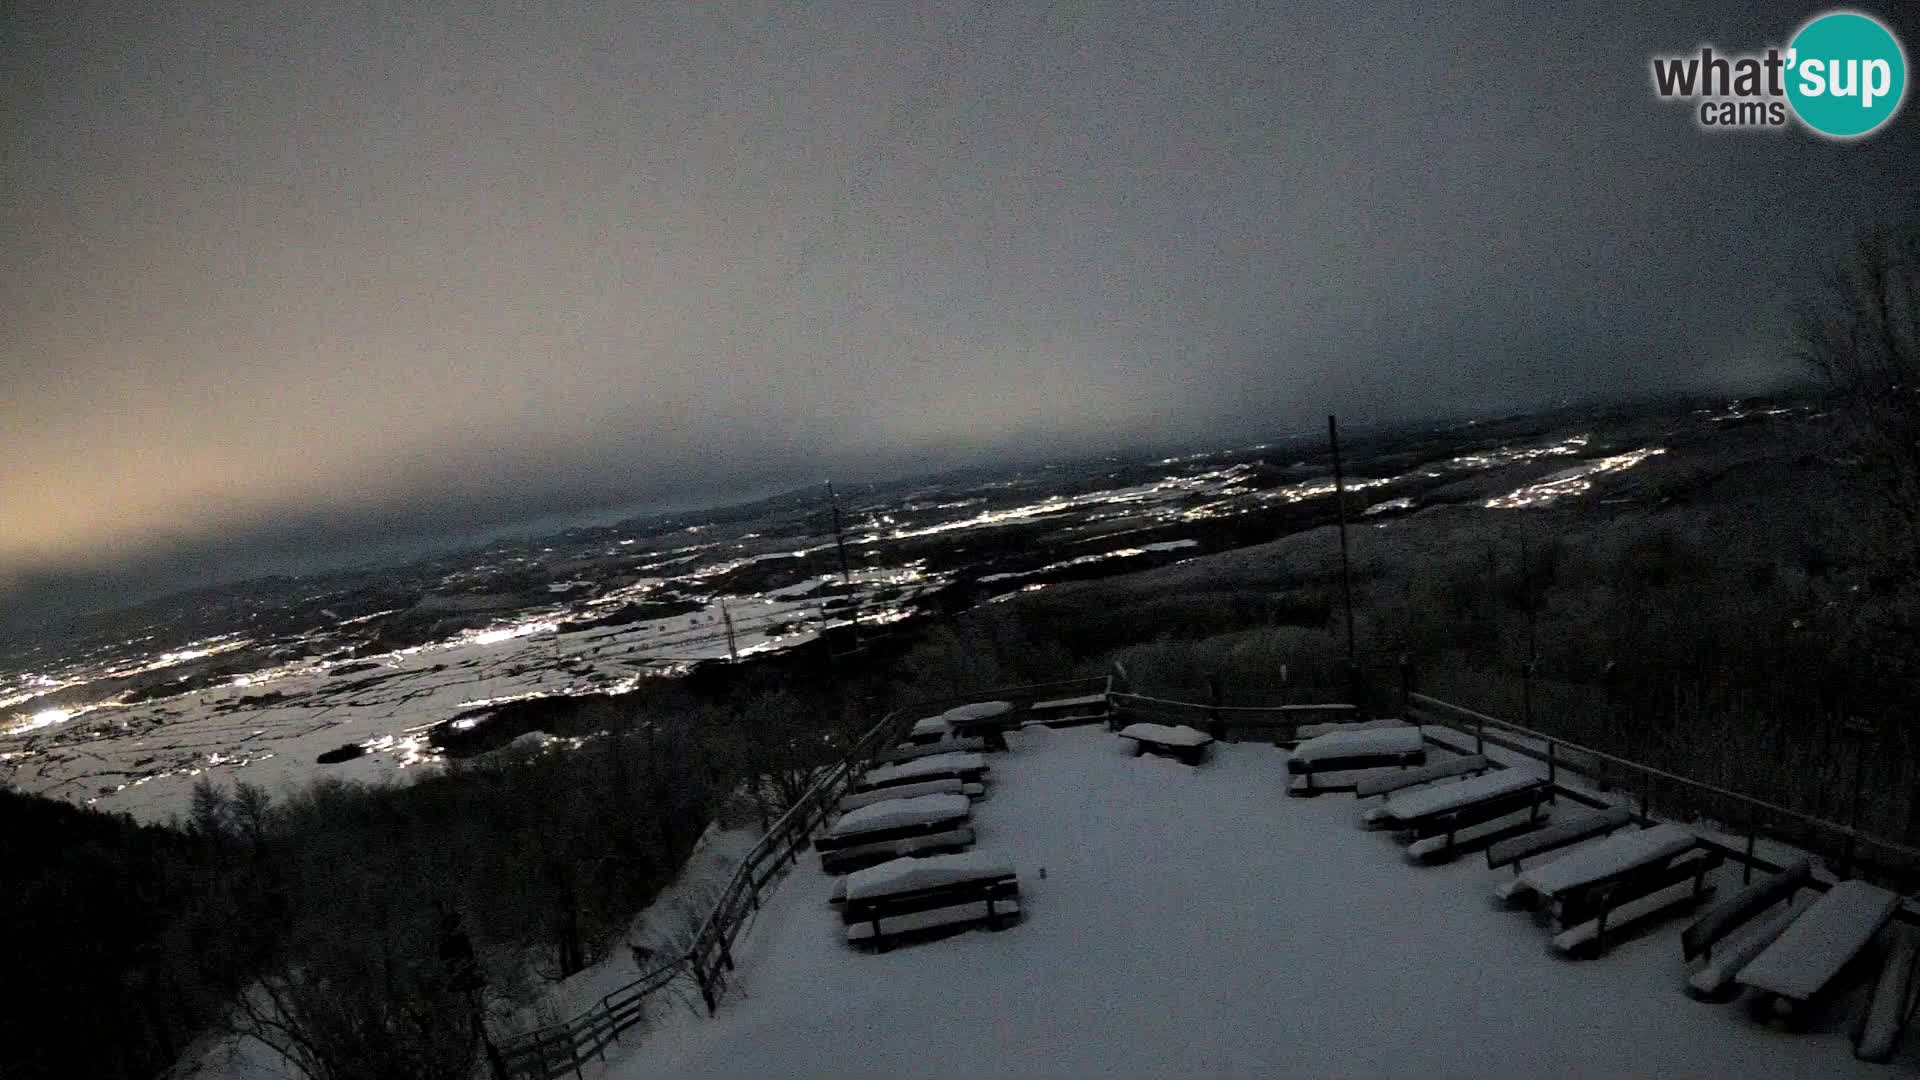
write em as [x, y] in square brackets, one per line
[1843, 75]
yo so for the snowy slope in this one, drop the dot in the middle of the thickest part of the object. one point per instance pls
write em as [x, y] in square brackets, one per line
[1199, 922]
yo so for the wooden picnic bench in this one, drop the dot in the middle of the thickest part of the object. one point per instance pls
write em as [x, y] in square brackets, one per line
[1512, 852]
[915, 751]
[1877, 1034]
[1614, 883]
[966, 767]
[1313, 731]
[1739, 908]
[1397, 746]
[1181, 742]
[1412, 809]
[905, 896]
[1805, 961]
[951, 785]
[1437, 837]
[1387, 783]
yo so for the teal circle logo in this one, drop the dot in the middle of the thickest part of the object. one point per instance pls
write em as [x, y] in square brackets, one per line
[1846, 74]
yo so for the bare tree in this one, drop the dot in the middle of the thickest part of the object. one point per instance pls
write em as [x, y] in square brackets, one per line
[1861, 335]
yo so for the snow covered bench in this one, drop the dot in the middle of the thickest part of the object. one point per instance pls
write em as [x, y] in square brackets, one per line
[1445, 768]
[1556, 836]
[1398, 746]
[915, 751]
[1417, 809]
[1805, 959]
[1877, 1034]
[885, 830]
[1180, 741]
[1624, 879]
[987, 721]
[1737, 910]
[1313, 731]
[928, 729]
[947, 786]
[967, 768]
[906, 895]
[1061, 712]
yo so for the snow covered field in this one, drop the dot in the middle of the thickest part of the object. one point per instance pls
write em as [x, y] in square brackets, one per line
[1200, 922]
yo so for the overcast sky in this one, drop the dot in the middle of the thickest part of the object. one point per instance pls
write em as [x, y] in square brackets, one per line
[286, 278]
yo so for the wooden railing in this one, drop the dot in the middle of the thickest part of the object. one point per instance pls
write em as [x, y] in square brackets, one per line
[559, 1050]
[1228, 723]
[1746, 819]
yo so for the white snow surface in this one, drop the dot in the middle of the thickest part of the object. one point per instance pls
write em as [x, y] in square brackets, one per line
[1201, 923]
[1621, 851]
[1175, 735]
[1341, 744]
[926, 766]
[905, 875]
[1432, 800]
[930, 725]
[1830, 932]
[896, 813]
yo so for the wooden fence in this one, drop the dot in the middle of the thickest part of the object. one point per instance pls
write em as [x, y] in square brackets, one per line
[560, 1050]
[1227, 723]
[1743, 819]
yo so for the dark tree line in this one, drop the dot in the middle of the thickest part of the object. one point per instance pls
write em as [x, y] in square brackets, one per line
[364, 931]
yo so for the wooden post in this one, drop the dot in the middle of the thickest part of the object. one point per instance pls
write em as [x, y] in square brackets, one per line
[1406, 683]
[1214, 727]
[1746, 869]
[1346, 573]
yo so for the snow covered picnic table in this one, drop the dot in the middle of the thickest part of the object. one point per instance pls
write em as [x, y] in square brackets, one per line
[988, 720]
[895, 827]
[1180, 741]
[894, 813]
[941, 891]
[1411, 807]
[1606, 859]
[1399, 740]
[1817, 944]
[1314, 731]
[1396, 745]
[947, 785]
[1627, 878]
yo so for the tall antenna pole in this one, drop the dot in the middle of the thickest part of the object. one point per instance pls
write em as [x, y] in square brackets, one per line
[733, 645]
[846, 574]
[1346, 573]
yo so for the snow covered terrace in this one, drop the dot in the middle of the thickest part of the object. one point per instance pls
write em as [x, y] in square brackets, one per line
[1200, 922]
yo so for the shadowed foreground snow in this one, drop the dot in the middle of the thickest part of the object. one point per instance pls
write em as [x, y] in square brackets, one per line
[1201, 922]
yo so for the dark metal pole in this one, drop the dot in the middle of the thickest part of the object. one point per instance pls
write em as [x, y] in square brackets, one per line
[733, 645]
[1533, 646]
[1346, 573]
[846, 575]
